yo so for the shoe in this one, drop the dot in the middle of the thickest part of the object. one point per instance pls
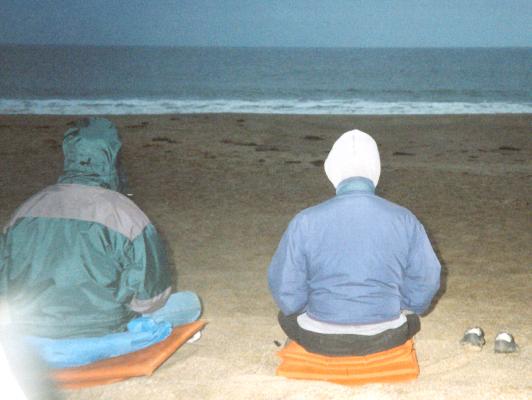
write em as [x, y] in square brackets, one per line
[473, 338]
[505, 343]
[194, 338]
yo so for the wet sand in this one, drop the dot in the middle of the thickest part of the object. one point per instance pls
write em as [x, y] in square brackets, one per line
[222, 188]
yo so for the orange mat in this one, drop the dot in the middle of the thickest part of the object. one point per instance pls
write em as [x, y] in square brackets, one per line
[138, 363]
[395, 365]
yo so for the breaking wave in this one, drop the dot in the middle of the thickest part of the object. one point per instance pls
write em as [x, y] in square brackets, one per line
[277, 106]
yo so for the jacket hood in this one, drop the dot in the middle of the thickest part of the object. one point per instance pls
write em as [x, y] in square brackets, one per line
[91, 150]
[355, 153]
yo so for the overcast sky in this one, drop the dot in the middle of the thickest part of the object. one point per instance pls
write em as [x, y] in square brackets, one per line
[314, 23]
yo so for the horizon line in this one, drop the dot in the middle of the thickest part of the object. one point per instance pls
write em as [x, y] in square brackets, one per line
[6, 44]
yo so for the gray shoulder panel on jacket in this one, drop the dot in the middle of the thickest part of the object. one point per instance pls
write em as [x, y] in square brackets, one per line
[85, 203]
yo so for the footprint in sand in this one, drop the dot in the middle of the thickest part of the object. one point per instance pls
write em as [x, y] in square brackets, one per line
[313, 137]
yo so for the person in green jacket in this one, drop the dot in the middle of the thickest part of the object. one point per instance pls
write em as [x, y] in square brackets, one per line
[80, 258]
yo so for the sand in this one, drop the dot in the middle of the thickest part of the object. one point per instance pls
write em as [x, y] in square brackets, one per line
[222, 188]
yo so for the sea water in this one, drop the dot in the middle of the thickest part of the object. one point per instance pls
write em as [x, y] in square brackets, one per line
[156, 80]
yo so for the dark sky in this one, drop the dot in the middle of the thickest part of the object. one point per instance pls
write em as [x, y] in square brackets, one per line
[314, 23]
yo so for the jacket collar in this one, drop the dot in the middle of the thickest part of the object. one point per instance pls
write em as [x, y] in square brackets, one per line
[355, 184]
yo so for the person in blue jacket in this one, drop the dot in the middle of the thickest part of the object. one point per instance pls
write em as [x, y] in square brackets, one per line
[351, 275]
[81, 260]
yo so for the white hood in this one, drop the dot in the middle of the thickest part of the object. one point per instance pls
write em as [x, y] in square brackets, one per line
[355, 153]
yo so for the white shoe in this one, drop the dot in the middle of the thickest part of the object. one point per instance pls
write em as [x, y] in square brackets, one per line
[194, 338]
[473, 338]
[505, 343]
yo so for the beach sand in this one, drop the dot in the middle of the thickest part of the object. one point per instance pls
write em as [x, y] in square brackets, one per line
[222, 189]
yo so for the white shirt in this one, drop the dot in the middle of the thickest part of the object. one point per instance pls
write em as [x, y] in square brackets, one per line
[309, 324]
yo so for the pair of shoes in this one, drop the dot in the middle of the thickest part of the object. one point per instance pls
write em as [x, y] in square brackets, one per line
[474, 339]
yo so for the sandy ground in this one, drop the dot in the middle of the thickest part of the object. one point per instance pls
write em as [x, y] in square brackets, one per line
[222, 188]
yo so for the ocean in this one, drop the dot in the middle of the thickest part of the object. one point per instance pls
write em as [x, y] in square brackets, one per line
[160, 80]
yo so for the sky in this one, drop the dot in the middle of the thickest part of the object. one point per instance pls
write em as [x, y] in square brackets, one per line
[286, 23]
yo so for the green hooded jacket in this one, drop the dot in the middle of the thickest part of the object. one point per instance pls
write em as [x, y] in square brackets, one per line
[81, 259]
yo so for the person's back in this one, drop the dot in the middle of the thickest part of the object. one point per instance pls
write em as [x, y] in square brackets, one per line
[357, 253]
[81, 258]
[351, 265]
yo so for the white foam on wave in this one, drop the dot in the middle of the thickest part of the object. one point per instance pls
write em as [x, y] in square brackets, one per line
[278, 106]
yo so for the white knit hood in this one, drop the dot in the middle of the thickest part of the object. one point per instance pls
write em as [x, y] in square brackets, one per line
[355, 153]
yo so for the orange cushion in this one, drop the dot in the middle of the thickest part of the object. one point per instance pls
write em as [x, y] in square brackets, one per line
[138, 363]
[394, 365]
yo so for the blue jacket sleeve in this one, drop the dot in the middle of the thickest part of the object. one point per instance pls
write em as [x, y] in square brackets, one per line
[287, 274]
[421, 279]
